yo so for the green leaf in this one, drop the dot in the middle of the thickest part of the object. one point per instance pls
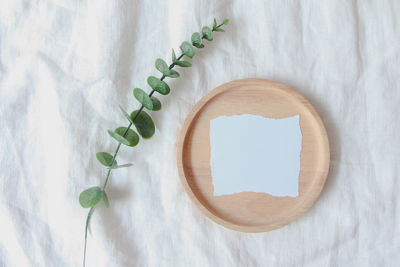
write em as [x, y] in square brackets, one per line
[215, 24]
[117, 137]
[121, 166]
[183, 63]
[187, 49]
[173, 74]
[125, 114]
[143, 98]
[162, 66]
[105, 159]
[196, 40]
[158, 85]
[207, 33]
[90, 197]
[225, 21]
[156, 103]
[173, 55]
[219, 30]
[131, 136]
[144, 124]
[130, 139]
[105, 200]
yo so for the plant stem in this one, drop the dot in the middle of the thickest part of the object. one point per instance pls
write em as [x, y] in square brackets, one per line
[86, 230]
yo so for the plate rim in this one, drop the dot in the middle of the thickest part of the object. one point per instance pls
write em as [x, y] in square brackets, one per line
[197, 108]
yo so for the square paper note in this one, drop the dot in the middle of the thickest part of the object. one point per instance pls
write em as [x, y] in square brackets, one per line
[251, 153]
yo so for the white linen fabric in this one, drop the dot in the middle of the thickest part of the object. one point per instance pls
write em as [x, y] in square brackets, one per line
[66, 65]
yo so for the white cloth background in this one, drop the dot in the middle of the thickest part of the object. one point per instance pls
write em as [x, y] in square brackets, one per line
[66, 65]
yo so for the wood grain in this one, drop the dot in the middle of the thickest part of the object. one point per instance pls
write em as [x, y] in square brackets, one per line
[249, 211]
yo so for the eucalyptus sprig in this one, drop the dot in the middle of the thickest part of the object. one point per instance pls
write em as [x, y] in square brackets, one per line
[142, 121]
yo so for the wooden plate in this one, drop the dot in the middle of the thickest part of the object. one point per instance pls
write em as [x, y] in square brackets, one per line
[250, 211]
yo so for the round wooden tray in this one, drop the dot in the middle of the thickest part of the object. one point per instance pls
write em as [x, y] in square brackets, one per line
[250, 211]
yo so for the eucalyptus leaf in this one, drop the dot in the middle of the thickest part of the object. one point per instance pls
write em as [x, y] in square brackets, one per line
[207, 33]
[158, 85]
[173, 74]
[105, 159]
[156, 103]
[219, 30]
[183, 63]
[90, 197]
[225, 21]
[143, 123]
[196, 40]
[215, 23]
[143, 98]
[125, 114]
[130, 139]
[121, 166]
[173, 55]
[187, 49]
[105, 200]
[162, 66]
[117, 137]
[131, 136]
